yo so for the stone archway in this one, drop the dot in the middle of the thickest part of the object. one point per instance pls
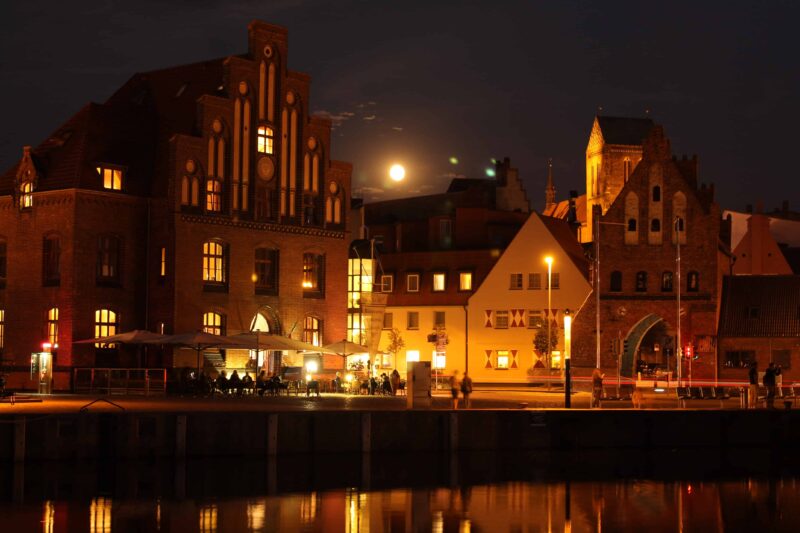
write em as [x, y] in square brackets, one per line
[633, 341]
[267, 320]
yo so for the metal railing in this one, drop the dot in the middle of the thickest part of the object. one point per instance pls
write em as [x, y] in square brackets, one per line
[145, 381]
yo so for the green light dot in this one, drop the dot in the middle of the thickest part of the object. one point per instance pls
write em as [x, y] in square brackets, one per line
[490, 172]
[453, 160]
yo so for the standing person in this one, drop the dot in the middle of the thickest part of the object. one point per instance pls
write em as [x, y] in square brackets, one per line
[769, 383]
[779, 380]
[597, 387]
[395, 381]
[454, 388]
[466, 389]
[752, 401]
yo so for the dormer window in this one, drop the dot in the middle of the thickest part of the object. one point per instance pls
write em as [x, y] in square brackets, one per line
[112, 178]
[264, 140]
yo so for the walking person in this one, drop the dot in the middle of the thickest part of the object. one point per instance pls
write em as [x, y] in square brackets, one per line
[454, 388]
[466, 389]
[597, 387]
[752, 400]
[769, 383]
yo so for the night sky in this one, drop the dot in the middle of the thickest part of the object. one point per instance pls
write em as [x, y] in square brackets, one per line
[420, 81]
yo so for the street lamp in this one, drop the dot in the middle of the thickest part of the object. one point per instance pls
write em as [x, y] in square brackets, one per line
[549, 261]
[677, 226]
[567, 353]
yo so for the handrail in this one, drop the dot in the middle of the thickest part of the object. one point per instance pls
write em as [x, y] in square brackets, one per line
[146, 381]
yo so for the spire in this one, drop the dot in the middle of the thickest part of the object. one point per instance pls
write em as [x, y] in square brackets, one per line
[550, 191]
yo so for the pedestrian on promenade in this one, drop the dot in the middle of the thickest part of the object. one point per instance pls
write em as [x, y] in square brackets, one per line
[466, 389]
[769, 383]
[395, 381]
[454, 388]
[597, 387]
[752, 401]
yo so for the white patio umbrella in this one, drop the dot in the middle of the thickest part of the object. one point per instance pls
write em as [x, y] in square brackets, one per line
[344, 348]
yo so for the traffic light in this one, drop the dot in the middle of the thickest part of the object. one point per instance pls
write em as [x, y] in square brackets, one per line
[689, 351]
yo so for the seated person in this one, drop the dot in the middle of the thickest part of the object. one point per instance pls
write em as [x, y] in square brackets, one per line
[222, 383]
[247, 382]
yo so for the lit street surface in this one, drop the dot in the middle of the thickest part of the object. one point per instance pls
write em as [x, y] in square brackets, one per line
[480, 399]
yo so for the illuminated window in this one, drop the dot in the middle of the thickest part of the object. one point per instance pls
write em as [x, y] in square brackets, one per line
[2, 327]
[535, 319]
[52, 326]
[213, 263]
[313, 275]
[100, 515]
[163, 269]
[112, 178]
[388, 320]
[502, 360]
[465, 281]
[26, 195]
[412, 282]
[108, 259]
[264, 138]
[266, 271]
[534, 281]
[312, 331]
[214, 195]
[106, 323]
[3, 263]
[666, 281]
[439, 281]
[213, 323]
[412, 355]
[208, 519]
[51, 256]
[515, 282]
[387, 283]
[412, 320]
[616, 281]
[501, 320]
[438, 319]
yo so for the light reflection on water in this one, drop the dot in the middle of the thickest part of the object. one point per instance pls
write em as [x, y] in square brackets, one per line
[591, 506]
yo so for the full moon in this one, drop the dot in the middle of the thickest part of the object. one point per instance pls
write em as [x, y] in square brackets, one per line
[397, 172]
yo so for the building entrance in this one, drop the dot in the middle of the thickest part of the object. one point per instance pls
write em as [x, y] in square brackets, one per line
[648, 347]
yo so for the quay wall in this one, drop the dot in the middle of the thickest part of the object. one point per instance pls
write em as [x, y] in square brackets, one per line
[130, 435]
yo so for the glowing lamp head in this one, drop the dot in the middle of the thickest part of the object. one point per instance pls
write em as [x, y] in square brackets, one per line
[397, 172]
[548, 260]
[348, 378]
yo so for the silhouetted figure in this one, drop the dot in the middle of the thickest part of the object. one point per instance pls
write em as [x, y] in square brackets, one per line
[395, 379]
[222, 383]
[247, 382]
[454, 388]
[466, 389]
[261, 382]
[597, 387]
[752, 401]
[769, 383]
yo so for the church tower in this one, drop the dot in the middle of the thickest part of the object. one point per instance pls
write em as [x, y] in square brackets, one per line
[550, 190]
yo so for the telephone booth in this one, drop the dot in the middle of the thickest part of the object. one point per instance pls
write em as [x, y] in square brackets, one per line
[42, 368]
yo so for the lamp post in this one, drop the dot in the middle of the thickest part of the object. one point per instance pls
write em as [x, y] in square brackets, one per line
[567, 353]
[678, 228]
[549, 261]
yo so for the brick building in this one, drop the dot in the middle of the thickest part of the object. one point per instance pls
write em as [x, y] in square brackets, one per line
[202, 196]
[659, 204]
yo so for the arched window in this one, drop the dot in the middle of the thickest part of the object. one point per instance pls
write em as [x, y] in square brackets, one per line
[214, 263]
[337, 211]
[26, 195]
[616, 281]
[185, 190]
[679, 224]
[666, 282]
[214, 323]
[693, 281]
[106, 323]
[52, 326]
[657, 193]
[312, 330]
[655, 225]
[213, 195]
[641, 281]
[195, 191]
[632, 218]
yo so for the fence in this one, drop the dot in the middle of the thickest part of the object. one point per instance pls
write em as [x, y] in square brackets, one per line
[145, 381]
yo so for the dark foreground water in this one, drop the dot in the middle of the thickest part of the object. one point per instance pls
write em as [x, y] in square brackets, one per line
[750, 490]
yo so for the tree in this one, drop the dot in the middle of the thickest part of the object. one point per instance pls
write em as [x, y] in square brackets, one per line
[396, 343]
[540, 340]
